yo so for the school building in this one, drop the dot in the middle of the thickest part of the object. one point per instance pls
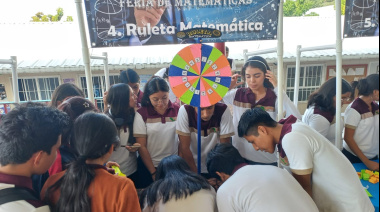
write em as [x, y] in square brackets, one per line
[49, 54]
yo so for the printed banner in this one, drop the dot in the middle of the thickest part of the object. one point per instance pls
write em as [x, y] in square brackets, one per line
[156, 22]
[362, 18]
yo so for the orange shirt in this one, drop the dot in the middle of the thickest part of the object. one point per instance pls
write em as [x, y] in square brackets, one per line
[107, 192]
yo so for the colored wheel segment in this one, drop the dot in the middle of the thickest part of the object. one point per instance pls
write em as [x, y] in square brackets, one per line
[200, 75]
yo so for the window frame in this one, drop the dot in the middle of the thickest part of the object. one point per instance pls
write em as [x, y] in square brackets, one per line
[38, 89]
[322, 80]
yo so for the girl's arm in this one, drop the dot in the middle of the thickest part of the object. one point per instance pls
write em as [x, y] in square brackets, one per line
[145, 156]
[350, 141]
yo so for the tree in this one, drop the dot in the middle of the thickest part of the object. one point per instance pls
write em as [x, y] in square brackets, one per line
[69, 19]
[342, 6]
[40, 17]
[300, 7]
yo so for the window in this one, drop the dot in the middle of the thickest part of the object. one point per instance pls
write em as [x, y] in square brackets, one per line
[310, 80]
[99, 86]
[37, 88]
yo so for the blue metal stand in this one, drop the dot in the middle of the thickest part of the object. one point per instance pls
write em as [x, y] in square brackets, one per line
[199, 139]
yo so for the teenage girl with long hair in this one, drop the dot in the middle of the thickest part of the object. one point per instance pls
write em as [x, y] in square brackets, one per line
[262, 93]
[87, 185]
[122, 102]
[361, 134]
[155, 129]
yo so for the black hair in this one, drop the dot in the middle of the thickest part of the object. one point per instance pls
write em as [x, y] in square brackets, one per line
[74, 107]
[368, 85]
[121, 113]
[94, 134]
[63, 91]
[28, 129]
[251, 119]
[324, 96]
[223, 158]
[174, 179]
[260, 63]
[129, 76]
[354, 85]
[154, 85]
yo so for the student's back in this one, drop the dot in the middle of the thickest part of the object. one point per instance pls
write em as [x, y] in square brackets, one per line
[177, 188]
[202, 201]
[263, 189]
[335, 184]
[86, 185]
[107, 192]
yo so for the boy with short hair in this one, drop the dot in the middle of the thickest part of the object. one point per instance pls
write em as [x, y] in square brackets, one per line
[248, 188]
[321, 169]
[30, 135]
[217, 127]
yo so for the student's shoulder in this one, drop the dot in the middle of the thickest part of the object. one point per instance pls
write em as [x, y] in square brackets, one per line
[114, 180]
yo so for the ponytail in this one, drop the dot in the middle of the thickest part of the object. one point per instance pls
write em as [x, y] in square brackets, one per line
[368, 85]
[93, 136]
[73, 188]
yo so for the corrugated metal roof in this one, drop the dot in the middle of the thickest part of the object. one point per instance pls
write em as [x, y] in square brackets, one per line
[52, 64]
[53, 49]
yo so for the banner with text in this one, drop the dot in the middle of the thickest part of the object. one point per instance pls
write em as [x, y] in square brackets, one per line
[362, 18]
[156, 22]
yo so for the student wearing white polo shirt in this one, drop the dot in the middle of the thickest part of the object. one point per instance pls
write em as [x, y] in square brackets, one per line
[361, 136]
[217, 127]
[262, 93]
[248, 188]
[122, 103]
[321, 107]
[321, 169]
[155, 129]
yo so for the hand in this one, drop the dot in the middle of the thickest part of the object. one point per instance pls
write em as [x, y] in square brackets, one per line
[272, 78]
[372, 165]
[109, 164]
[132, 148]
[150, 15]
[105, 99]
[234, 81]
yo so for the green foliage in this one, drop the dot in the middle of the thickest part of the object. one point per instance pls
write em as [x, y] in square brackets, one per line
[45, 18]
[59, 13]
[312, 14]
[69, 19]
[300, 7]
[40, 17]
[342, 6]
[35, 19]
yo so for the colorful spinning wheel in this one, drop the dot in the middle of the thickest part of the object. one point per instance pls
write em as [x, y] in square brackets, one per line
[200, 75]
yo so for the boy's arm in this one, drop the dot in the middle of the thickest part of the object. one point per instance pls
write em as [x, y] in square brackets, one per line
[186, 154]
[305, 182]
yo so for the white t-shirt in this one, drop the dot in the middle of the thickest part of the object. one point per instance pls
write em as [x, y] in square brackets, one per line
[366, 125]
[20, 205]
[335, 183]
[160, 131]
[220, 126]
[127, 160]
[200, 201]
[263, 189]
[322, 122]
[243, 99]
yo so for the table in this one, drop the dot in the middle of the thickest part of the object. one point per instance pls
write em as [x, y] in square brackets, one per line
[373, 188]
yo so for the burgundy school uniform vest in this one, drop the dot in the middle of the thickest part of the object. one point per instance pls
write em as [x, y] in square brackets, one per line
[208, 127]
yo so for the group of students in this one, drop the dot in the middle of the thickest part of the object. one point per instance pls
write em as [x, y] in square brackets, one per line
[153, 141]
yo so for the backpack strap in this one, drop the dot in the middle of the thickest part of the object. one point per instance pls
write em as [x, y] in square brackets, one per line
[15, 194]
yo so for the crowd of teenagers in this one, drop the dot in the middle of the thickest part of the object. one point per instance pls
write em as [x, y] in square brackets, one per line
[62, 157]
